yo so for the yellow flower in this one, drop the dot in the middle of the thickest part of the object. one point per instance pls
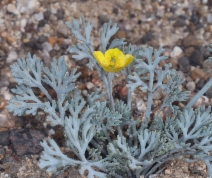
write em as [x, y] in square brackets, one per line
[113, 60]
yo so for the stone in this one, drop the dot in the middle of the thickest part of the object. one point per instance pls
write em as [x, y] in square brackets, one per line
[52, 40]
[62, 29]
[184, 65]
[115, 10]
[4, 138]
[103, 19]
[158, 94]
[27, 6]
[60, 14]
[26, 141]
[11, 8]
[191, 86]
[32, 43]
[82, 62]
[41, 23]
[208, 93]
[89, 85]
[39, 16]
[12, 56]
[176, 52]
[205, 52]
[198, 73]
[195, 17]
[196, 58]
[8, 37]
[200, 84]
[188, 51]
[209, 18]
[191, 40]
[41, 39]
[29, 27]
[6, 119]
[147, 37]
[180, 21]
[52, 53]
[47, 46]
[140, 105]
[46, 15]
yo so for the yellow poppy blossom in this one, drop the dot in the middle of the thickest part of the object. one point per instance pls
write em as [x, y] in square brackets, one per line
[113, 60]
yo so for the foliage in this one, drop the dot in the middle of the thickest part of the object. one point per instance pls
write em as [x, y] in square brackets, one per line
[105, 137]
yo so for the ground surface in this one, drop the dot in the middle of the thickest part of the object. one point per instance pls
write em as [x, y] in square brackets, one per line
[182, 27]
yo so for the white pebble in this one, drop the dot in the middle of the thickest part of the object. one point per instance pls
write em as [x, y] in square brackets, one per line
[12, 9]
[89, 85]
[51, 132]
[12, 56]
[177, 51]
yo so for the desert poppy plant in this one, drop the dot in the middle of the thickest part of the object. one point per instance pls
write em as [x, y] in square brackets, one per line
[113, 60]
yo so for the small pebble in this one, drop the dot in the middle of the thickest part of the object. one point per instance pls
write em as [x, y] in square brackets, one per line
[177, 51]
[12, 56]
[89, 85]
[39, 16]
[191, 86]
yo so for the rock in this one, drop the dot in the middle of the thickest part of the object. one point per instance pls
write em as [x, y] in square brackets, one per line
[209, 18]
[176, 52]
[33, 44]
[103, 19]
[184, 65]
[180, 21]
[46, 15]
[167, 172]
[209, 2]
[60, 14]
[157, 94]
[85, 93]
[27, 141]
[208, 93]
[198, 73]
[147, 37]
[115, 10]
[140, 105]
[29, 27]
[53, 53]
[8, 37]
[205, 52]
[41, 23]
[6, 119]
[47, 46]
[201, 101]
[27, 6]
[89, 85]
[195, 17]
[62, 29]
[120, 34]
[200, 84]
[120, 92]
[188, 51]
[12, 9]
[196, 58]
[41, 39]
[4, 138]
[191, 40]
[191, 86]
[39, 16]
[52, 40]
[82, 62]
[12, 56]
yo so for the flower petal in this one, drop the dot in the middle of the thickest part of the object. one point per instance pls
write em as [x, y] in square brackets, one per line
[101, 59]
